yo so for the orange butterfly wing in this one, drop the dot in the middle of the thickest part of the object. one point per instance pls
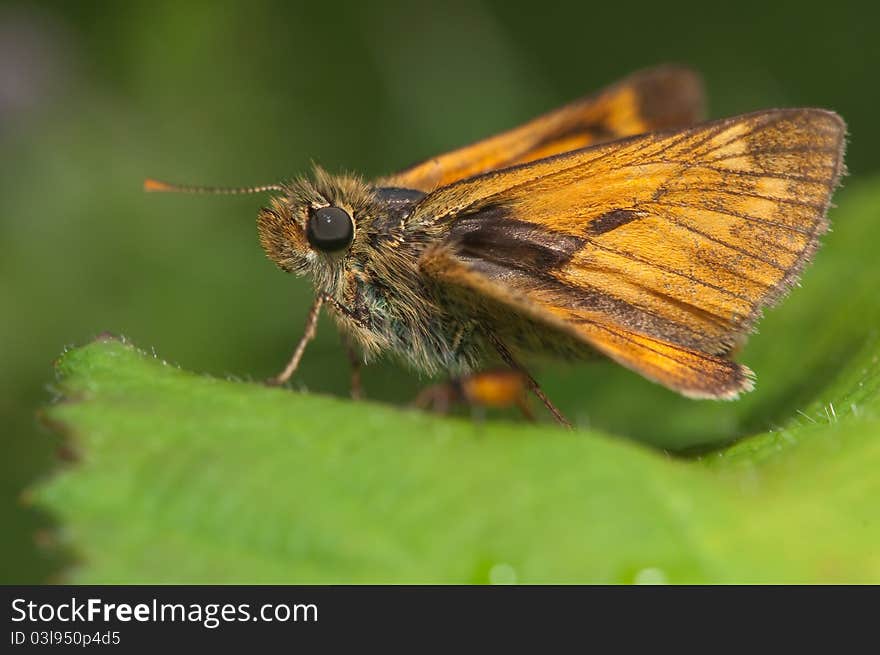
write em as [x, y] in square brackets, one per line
[658, 251]
[654, 99]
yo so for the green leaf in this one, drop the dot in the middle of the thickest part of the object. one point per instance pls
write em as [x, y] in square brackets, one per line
[186, 478]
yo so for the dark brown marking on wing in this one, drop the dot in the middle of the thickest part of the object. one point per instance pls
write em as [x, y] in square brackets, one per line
[611, 221]
[492, 235]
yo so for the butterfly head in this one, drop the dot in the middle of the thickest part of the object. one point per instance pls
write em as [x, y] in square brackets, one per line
[310, 225]
[314, 223]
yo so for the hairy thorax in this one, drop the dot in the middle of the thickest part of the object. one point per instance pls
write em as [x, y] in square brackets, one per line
[387, 305]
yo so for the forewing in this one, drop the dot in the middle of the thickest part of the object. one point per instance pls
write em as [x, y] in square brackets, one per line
[660, 249]
[690, 372]
[654, 99]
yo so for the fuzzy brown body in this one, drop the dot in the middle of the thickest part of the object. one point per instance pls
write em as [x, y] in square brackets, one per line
[657, 250]
[383, 299]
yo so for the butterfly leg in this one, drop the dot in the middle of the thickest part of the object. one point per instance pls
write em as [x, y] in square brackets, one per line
[308, 335]
[492, 388]
[533, 384]
[437, 397]
[523, 406]
[357, 390]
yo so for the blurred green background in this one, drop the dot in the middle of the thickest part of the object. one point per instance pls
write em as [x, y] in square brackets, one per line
[96, 96]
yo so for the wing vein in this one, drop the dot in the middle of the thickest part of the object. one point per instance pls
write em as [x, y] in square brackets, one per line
[625, 337]
[772, 151]
[667, 269]
[749, 194]
[672, 219]
[735, 214]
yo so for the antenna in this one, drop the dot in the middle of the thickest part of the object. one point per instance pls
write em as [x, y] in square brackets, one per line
[152, 185]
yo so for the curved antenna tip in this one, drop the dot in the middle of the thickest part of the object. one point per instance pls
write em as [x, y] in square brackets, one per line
[155, 185]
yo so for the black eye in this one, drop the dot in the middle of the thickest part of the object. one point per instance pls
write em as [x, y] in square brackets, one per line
[330, 229]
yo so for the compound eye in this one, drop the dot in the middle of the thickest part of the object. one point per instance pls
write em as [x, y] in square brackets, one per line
[330, 229]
